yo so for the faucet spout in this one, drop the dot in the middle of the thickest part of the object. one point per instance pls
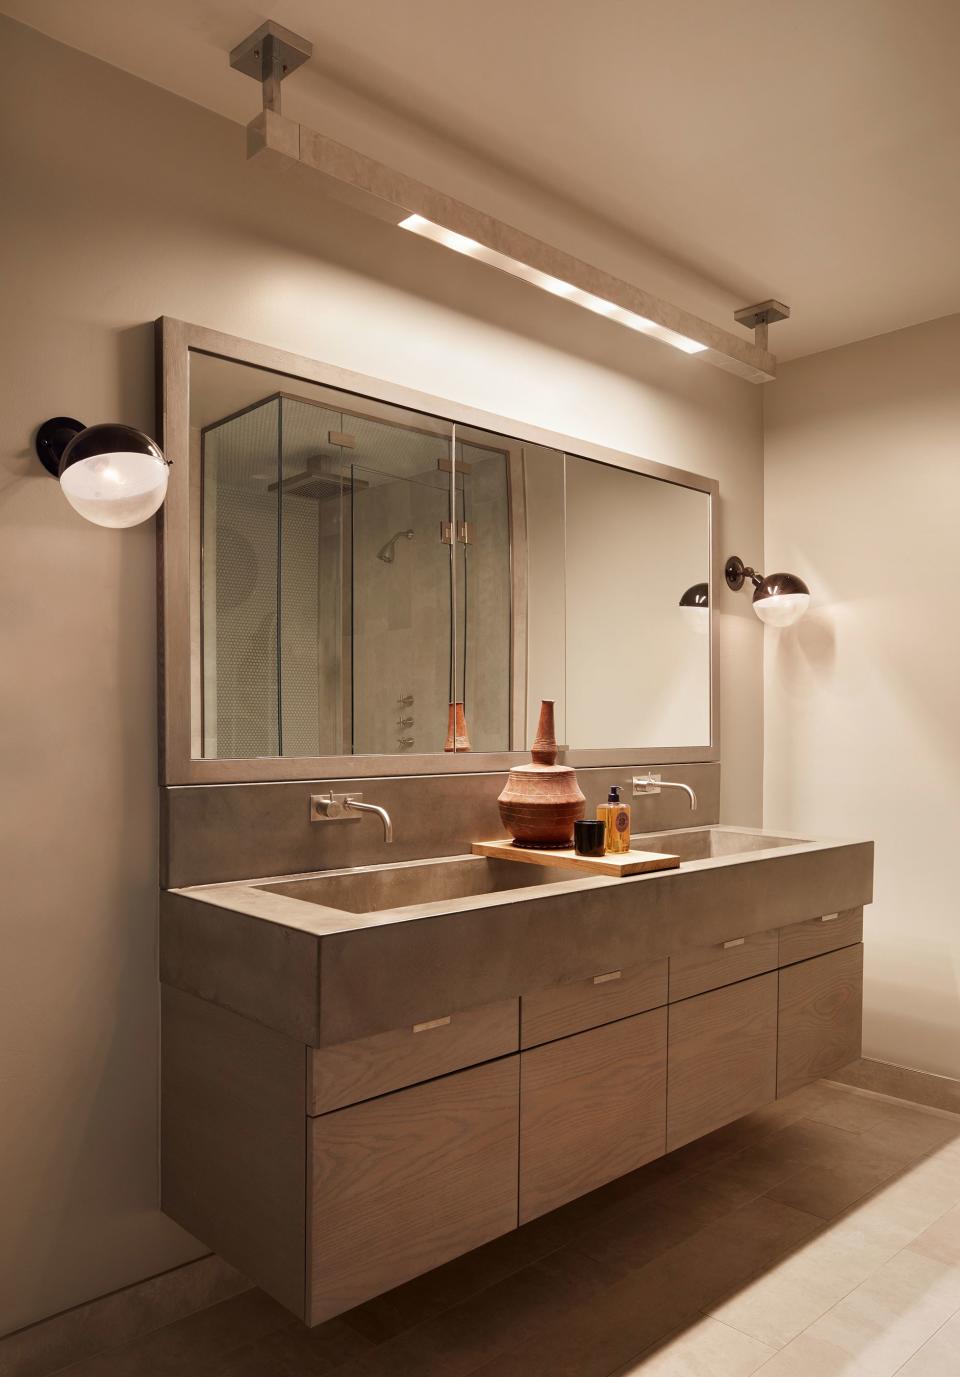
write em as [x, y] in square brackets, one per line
[338, 807]
[686, 789]
[652, 784]
[381, 813]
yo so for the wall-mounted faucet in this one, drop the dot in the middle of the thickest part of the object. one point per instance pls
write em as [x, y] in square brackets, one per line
[339, 807]
[652, 784]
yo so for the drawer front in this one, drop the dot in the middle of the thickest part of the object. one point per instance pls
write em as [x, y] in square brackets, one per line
[592, 1107]
[401, 1184]
[800, 941]
[721, 1057]
[821, 1017]
[601, 998]
[700, 969]
[353, 1071]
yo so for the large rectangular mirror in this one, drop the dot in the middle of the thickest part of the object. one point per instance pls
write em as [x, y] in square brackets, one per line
[360, 580]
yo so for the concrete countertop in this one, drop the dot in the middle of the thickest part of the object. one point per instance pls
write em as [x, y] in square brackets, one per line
[325, 975]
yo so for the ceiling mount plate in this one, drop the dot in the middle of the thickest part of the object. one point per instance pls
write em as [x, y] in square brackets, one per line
[764, 313]
[255, 56]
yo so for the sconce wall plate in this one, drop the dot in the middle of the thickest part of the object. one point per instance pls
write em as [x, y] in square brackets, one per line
[53, 437]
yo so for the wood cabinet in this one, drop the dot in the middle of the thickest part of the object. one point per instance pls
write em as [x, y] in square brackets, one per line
[821, 1007]
[699, 969]
[578, 1005]
[400, 1184]
[721, 1057]
[592, 1107]
[437, 1044]
[329, 1174]
[815, 936]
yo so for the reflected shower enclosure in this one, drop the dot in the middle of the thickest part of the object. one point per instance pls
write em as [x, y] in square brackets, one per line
[355, 580]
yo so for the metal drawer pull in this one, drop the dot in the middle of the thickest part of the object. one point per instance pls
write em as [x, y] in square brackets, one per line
[829, 917]
[734, 942]
[431, 1023]
[610, 975]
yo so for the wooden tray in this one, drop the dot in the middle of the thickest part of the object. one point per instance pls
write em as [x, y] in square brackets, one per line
[623, 863]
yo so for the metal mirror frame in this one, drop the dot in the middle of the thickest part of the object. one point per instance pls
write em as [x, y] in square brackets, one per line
[175, 341]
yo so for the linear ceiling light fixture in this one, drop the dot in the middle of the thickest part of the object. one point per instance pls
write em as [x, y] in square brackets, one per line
[271, 53]
[555, 285]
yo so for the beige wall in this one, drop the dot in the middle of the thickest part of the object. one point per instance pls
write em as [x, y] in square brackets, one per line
[123, 203]
[863, 500]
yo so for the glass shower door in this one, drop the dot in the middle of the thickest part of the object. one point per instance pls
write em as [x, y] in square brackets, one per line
[401, 585]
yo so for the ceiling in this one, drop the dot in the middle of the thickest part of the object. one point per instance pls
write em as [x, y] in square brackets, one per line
[803, 149]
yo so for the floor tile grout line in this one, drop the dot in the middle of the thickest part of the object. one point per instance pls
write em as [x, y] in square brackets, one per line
[107, 1353]
[927, 1340]
[886, 1263]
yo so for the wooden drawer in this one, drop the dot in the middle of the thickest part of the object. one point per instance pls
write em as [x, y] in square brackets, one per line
[401, 1184]
[592, 1107]
[354, 1071]
[572, 1008]
[698, 969]
[800, 941]
[721, 1057]
[821, 1017]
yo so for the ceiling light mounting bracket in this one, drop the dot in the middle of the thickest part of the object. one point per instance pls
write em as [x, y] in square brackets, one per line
[269, 55]
[759, 317]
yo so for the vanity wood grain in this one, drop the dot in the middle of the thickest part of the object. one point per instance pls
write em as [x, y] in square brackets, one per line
[433, 1046]
[699, 969]
[821, 1012]
[800, 941]
[722, 1057]
[592, 1107]
[233, 1147]
[577, 1005]
[403, 1183]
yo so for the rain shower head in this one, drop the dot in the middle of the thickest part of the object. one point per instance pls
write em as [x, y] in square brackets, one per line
[388, 552]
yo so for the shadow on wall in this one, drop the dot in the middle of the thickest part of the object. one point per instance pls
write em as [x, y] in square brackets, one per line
[805, 654]
[913, 1009]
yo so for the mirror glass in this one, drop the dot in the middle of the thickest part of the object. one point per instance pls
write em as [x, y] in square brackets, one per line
[638, 671]
[371, 580]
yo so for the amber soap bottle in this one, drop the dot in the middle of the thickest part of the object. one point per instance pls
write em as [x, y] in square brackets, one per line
[615, 817]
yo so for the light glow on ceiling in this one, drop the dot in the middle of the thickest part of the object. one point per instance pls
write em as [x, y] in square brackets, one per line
[417, 224]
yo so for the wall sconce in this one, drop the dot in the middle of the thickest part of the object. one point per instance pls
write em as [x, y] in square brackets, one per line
[695, 608]
[778, 599]
[111, 474]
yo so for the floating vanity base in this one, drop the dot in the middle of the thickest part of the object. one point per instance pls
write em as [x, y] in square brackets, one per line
[352, 1096]
[625, 863]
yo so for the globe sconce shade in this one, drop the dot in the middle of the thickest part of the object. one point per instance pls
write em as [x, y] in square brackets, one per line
[778, 599]
[111, 474]
[695, 608]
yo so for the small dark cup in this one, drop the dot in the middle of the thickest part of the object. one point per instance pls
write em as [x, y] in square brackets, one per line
[588, 837]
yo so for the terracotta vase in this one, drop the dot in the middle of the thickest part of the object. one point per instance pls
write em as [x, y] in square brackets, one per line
[457, 736]
[542, 800]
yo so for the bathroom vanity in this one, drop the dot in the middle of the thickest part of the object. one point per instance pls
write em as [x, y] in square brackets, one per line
[367, 1072]
[376, 1057]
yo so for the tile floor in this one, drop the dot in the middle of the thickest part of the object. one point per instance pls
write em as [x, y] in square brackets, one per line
[819, 1237]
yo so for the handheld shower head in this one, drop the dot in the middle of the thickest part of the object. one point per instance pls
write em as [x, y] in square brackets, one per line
[388, 552]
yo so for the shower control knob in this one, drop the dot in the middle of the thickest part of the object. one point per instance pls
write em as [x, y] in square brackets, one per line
[403, 722]
[406, 701]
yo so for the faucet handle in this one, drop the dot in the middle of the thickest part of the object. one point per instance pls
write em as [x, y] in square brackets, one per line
[646, 784]
[333, 807]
